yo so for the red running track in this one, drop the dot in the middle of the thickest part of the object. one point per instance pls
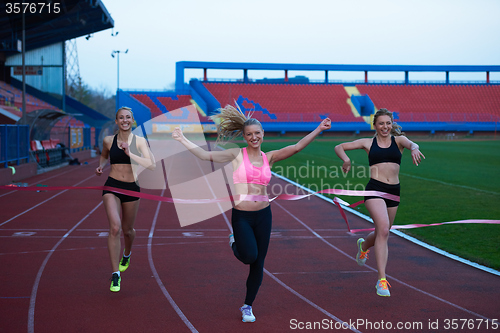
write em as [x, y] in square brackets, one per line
[55, 272]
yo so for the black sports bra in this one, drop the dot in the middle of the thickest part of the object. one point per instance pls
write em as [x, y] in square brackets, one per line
[118, 156]
[381, 155]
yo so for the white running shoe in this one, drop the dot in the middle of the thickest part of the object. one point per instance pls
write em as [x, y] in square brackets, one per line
[246, 313]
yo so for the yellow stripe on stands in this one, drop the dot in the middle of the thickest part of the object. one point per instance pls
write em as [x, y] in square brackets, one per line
[200, 110]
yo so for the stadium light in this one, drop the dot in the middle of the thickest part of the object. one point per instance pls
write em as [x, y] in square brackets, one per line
[117, 52]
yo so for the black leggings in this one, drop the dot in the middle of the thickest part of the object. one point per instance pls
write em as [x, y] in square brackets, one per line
[252, 231]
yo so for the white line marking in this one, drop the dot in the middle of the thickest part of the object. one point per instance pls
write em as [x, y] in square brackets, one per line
[157, 277]
[397, 232]
[31, 311]
[309, 302]
[43, 180]
[52, 197]
[449, 184]
[375, 270]
[317, 307]
[326, 272]
[33, 229]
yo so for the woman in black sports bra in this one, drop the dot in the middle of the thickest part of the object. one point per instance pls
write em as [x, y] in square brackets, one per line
[121, 149]
[384, 157]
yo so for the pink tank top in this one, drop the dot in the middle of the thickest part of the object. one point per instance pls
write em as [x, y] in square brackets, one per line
[247, 173]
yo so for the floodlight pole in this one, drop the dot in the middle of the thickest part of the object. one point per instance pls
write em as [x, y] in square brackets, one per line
[117, 74]
[24, 120]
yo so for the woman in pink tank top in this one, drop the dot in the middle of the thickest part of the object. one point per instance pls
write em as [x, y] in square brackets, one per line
[251, 216]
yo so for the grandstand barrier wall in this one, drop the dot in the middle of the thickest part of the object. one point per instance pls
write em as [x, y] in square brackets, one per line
[449, 126]
[22, 171]
[283, 127]
[14, 144]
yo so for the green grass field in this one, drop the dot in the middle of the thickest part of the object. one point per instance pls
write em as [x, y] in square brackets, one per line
[458, 180]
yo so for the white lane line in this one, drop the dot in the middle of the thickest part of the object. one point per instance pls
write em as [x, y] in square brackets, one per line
[397, 232]
[31, 311]
[45, 179]
[373, 269]
[317, 307]
[157, 277]
[281, 283]
[41, 203]
[449, 184]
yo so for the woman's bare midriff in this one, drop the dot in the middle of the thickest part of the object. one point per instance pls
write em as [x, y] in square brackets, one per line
[250, 189]
[122, 172]
[385, 172]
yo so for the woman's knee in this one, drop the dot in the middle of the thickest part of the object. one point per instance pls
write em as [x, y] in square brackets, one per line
[115, 230]
[128, 232]
[383, 232]
[248, 258]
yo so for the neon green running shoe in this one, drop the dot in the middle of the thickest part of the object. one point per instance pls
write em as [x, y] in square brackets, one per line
[124, 263]
[383, 288]
[115, 282]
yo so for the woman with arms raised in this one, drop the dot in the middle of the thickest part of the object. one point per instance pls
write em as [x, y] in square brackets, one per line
[251, 215]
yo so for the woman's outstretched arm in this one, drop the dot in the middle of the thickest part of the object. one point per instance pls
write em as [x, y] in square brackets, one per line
[286, 152]
[214, 156]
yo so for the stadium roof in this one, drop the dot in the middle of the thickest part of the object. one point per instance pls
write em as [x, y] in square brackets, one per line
[182, 65]
[335, 67]
[75, 18]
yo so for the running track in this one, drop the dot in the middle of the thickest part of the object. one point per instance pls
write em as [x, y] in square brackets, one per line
[55, 271]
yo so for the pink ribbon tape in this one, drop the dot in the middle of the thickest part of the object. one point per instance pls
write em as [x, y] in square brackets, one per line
[247, 197]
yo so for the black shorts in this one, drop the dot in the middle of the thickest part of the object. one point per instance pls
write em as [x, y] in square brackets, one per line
[131, 186]
[375, 185]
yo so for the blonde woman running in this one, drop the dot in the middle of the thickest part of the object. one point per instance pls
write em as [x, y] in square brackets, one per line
[384, 157]
[122, 209]
[251, 216]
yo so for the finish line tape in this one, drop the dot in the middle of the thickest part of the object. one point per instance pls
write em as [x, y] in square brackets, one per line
[338, 202]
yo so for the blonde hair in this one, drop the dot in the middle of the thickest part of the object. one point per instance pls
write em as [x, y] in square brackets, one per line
[396, 129]
[126, 109]
[232, 123]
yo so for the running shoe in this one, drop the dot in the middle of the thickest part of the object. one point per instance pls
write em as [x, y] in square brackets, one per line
[231, 240]
[362, 255]
[115, 282]
[124, 263]
[383, 287]
[246, 313]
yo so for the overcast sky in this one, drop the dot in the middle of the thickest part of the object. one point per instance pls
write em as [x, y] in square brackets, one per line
[159, 33]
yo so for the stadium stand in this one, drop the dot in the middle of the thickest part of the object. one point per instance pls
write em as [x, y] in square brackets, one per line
[287, 102]
[162, 103]
[437, 103]
[12, 97]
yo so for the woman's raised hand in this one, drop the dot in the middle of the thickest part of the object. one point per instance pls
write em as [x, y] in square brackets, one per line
[177, 134]
[326, 124]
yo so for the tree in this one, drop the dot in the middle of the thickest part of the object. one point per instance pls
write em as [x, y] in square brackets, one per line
[98, 99]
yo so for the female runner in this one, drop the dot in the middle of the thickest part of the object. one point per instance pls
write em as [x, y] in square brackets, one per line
[384, 157]
[251, 216]
[121, 149]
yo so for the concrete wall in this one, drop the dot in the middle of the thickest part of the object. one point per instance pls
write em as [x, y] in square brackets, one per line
[27, 170]
[22, 171]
